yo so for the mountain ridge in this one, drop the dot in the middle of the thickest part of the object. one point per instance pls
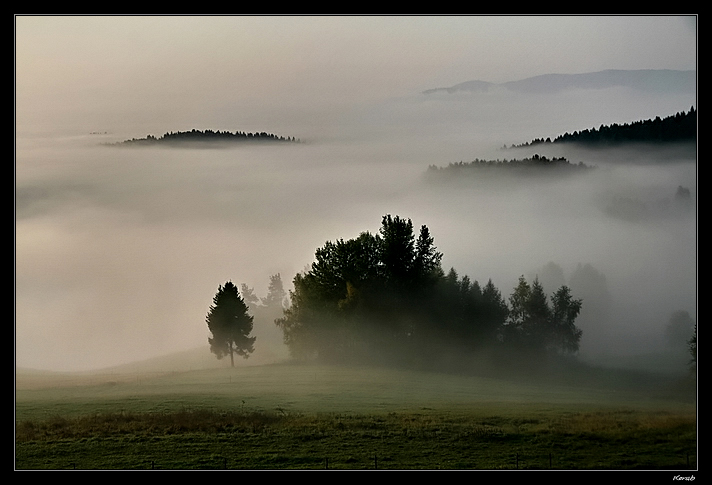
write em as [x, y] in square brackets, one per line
[650, 80]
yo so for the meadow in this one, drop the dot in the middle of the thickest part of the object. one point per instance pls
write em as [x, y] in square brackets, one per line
[315, 417]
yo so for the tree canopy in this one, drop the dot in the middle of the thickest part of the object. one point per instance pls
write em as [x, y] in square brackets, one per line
[385, 297]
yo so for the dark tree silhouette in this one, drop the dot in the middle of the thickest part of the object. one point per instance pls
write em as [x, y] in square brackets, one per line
[680, 127]
[385, 297]
[693, 350]
[536, 165]
[535, 325]
[564, 335]
[369, 289]
[230, 324]
[209, 136]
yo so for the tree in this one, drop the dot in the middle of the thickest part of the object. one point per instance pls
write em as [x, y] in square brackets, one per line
[427, 258]
[592, 286]
[677, 333]
[368, 291]
[678, 329]
[692, 343]
[513, 331]
[565, 335]
[249, 297]
[230, 324]
[494, 311]
[275, 293]
[397, 251]
[537, 325]
[551, 275]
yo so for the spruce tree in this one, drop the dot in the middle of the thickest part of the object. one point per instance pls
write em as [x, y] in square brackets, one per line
[230, 324]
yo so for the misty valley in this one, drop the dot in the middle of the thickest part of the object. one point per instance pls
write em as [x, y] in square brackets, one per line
[409, 288]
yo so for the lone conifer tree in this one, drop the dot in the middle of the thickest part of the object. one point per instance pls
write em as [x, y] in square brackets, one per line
[230, 324]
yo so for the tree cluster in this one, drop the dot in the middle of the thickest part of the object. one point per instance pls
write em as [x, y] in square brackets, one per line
[386, 298]
[534, 165]
[633, 208]
[680, 127]
[208, 136]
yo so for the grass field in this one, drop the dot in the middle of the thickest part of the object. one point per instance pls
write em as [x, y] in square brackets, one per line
[316, 417]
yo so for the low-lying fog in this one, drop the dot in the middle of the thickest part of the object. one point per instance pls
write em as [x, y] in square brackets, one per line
[119, 251]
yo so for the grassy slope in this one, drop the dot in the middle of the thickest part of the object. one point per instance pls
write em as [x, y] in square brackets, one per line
[313, 388]
[352, 415]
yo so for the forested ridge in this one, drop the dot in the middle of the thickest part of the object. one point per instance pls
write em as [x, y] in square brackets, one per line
[680, 127]
[208, 136]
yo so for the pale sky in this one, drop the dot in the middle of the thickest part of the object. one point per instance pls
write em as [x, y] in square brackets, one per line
[97, 66]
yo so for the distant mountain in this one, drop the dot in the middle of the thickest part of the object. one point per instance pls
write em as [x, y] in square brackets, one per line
[468, 86]
[650, 80]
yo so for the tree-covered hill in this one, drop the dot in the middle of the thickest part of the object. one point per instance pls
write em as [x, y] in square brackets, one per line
[680, 127]
[208, 136]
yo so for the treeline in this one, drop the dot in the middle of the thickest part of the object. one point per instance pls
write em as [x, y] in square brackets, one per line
[210, 136]
[681, 127]
[385, 298]
[537, 164]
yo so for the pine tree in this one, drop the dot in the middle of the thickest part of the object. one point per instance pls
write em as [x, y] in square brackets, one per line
[230, 324]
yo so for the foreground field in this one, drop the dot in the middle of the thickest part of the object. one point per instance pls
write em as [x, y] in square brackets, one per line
[311, 417]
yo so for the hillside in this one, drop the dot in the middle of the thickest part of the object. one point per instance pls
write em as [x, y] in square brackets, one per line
[678, 128]
[189, 360]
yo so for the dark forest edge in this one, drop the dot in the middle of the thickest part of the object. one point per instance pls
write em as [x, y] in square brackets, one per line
[209, 136]
[680, 127]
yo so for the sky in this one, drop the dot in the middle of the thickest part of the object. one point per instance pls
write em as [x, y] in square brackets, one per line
[150, 68]
[119, 253]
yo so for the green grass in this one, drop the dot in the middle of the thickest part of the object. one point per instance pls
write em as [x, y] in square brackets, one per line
[312, 417]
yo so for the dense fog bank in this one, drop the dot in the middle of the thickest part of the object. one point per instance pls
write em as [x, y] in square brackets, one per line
[119, 251]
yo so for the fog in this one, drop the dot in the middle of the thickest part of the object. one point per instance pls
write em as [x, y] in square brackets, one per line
[119, 251]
